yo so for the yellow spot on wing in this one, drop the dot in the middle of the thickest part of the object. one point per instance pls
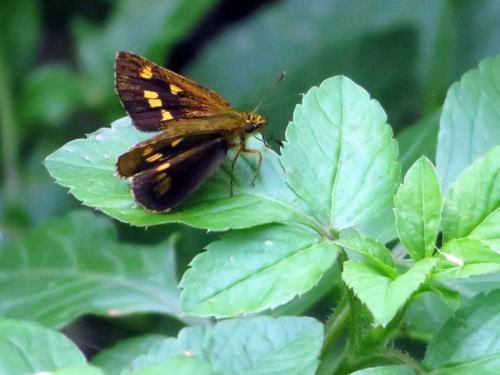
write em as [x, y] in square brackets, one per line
[163, 167]
[166, 115]
[176, 142]
[150, 94]
[174, 89]
[153, 103]
[146, 72]
[154, 158]
[161, 176]
[148, 150]
[163, 186]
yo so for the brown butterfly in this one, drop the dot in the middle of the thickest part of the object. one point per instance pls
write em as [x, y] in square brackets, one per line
[197, 127]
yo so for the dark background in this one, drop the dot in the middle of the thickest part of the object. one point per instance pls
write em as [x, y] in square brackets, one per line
[56, 81]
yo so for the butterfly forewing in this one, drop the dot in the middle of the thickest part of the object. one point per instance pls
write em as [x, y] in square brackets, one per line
[154, 96]
[162, 187]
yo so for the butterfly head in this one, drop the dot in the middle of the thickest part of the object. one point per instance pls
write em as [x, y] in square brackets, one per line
[254, 121]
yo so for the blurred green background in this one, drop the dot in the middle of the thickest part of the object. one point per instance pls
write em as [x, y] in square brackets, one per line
[56, 74]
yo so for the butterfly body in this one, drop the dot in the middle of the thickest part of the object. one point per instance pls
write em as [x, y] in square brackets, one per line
[197, 128]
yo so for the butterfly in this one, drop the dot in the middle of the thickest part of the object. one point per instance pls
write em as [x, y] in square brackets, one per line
[197, 128]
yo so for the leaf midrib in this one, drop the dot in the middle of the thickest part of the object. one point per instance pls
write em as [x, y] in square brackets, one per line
[257, 272]
[333, 183]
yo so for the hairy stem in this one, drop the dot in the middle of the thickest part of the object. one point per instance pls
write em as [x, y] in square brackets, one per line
[336, 324]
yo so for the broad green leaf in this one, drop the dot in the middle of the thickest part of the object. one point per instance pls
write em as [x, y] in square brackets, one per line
[381, 228]
[483, 366]
[322, 157]
[74, 266]
[469, 120]
[255, 269]
[79, 370]
[50, 94]
[319, 40]
[117, 358]
[466, 257]
[433, 308]
[478, 21]
[20, 35]
[382, 295]
[417, 140]
[371, 250]
[386, 370]
[472, 206]
[418, 209]
[259, 345]
[471, 286]
[87, 168]
[27, 347]
[179, 365]
[469, 343]
[305, 302]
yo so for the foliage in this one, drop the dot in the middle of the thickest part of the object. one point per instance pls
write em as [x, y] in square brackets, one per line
[348, 256]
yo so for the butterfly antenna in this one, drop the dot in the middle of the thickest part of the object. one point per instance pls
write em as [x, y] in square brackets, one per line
[266, 95]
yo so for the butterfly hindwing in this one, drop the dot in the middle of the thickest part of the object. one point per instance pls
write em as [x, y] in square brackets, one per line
[161, 187]
[175, 139]
[154, 96]
[153, 152]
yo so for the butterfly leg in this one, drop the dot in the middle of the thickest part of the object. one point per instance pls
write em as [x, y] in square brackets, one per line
[259, 161]
[239, 149]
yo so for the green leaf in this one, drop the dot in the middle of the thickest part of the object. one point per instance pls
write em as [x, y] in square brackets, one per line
[27, 348]
[386, 370]
[179, 365]
[472, 206]
[74, 266]
[322, 157]
[79, 370]
[418, 139]
[382, 295]
[468, 257]
[259, 345]
[370, 250]
[469, 120]
[382, 228]
[255, 269]
[418, 206]
[471, 286]
[87, 168]
[300, 305]
[477, 19]
[433, 308]
[50, 94]
[320, 40]
[117, 358]
[469, 343]
[20, 35]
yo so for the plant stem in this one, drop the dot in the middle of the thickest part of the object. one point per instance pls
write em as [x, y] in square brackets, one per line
[336, 324]
[387, 357]
[8, 135]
